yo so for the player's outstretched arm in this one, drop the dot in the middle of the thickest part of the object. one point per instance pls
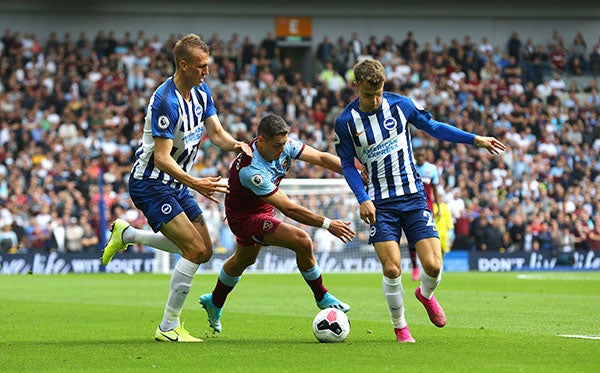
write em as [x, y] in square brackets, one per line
[322, 159]
[492, 144]
[339, 228]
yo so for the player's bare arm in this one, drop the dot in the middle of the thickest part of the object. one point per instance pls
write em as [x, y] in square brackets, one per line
[330, 162]
[339, 228]
[492, 144]
[322, 159]
[206, 186]
[222, 138]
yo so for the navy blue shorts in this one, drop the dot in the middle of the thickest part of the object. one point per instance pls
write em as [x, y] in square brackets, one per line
[405, 213]
[160, 203]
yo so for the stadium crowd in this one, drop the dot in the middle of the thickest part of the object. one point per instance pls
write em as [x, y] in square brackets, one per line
[72, 111]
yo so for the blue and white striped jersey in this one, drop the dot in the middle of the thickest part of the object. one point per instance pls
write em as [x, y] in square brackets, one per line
[382, 142]
[170, 116]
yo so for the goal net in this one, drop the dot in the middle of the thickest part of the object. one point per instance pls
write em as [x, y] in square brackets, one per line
[329, 197]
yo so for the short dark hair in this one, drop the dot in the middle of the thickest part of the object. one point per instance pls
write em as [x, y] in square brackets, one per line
[272, 125]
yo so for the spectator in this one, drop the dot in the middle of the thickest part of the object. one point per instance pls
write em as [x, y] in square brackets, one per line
[593, 236]
[9, 241]
[513, 46]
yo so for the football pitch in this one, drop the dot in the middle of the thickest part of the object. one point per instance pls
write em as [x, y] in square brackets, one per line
[525, 322]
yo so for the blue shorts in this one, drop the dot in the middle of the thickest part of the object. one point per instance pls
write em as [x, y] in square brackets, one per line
[405, 213]
[160, 203]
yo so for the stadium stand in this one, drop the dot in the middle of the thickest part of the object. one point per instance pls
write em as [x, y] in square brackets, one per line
[72, 109]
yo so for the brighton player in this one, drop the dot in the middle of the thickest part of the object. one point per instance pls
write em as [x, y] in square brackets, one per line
[180, 111]
[253, 195]
[430, 178]
[374, 129]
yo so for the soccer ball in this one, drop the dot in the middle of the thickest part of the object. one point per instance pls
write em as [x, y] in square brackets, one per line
[331, 325]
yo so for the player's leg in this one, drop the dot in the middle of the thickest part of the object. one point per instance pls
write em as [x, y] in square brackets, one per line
[196, 247]
[393, 291]
[385, 237]
[229, 276]
[297, 240]
[430, 255]
[169, 211]
[123, 234]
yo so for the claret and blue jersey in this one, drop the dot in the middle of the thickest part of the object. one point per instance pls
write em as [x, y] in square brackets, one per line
[170, 116]
[382, 142]
[253, 177]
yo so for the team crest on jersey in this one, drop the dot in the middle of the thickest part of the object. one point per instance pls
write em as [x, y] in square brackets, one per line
[257, 180]
[285, 164]
[267, 225]
[166, 209]
[163, 122]
[198, 111]
[417, 105]
[336, 139]
[390, 124]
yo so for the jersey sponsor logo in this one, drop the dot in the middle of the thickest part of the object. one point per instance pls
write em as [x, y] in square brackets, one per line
[417, 105]
[267, 225]
[257, 180]
[166, 209]
[336, 139]
[390, 124]
[198, 111]
[372, 231]
[382, 149]
[163, 122]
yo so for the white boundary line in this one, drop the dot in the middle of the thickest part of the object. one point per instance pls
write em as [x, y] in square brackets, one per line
[597, 337]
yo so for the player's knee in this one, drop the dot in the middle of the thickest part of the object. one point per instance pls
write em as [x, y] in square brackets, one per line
[391, 270]
[200, 254]
[305, 244]
[432, 269]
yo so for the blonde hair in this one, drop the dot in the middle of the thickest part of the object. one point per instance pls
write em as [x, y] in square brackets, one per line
[182, 51]
[370, 71]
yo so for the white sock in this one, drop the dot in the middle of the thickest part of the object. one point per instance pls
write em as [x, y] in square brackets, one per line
[429, 284]
[394, 296]
[181, 282]
[149, 238]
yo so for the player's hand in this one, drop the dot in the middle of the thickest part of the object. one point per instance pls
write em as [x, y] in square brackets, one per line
[364, 175]
[492, 144]
[367, 212]
[341, 229]
[208, 186]
[240, 145]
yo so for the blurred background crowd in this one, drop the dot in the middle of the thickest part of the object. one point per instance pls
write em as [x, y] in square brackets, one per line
[72, 109]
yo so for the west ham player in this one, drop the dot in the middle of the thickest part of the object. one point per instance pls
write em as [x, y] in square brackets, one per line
[179, 112]
[374, 129]
[430, 178]
[253, 196]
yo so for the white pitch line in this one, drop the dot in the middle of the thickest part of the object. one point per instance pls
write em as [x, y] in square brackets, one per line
[549, 276]
[580, 336]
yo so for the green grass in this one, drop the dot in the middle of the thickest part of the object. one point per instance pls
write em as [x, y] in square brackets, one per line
[106, 322]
